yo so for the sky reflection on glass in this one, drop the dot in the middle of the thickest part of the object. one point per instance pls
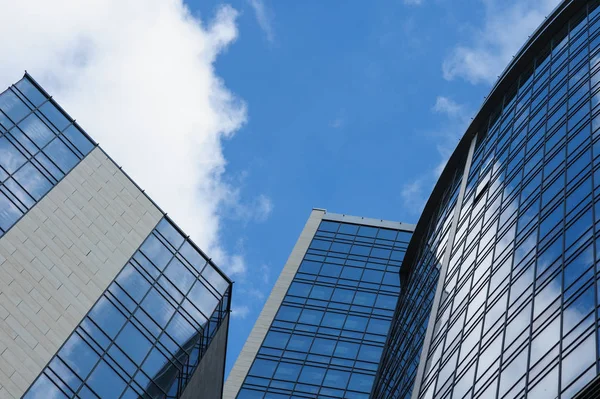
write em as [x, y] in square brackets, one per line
[517, 314]
[328, 335]
[148, 331]
[38, 146]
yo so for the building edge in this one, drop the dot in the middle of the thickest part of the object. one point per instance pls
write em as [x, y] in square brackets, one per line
[524, 57]
[244, 361]
[97, 145]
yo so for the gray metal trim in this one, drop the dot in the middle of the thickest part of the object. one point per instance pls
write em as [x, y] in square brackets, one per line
[440, 286]
[337, 217]
[242, 365]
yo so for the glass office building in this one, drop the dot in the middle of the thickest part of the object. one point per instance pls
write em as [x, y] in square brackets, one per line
[101, 294]
[148, 331]
[38, 147]
[402, 352]
[322, 331]
[515, 312]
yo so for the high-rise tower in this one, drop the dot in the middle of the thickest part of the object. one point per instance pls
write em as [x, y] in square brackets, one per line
[513, 226]
[101, 294]
[322, 329]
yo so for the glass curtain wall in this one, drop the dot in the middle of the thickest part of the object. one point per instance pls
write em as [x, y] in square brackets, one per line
[39, 145]
[402, 351]
[147, 333]
[519, 315]
[328, 335]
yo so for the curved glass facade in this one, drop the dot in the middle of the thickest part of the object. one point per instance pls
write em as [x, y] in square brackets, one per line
[512, 254]
[517, 312]
[400, 358]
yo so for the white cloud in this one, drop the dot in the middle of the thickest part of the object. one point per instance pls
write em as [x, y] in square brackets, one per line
[257, 210]
[415, 194]
[448, 137]
[413, 2]
[254, 293]
[506, 26]
[240, 312]
[340, 120]
[139, 77]
[266, 273]
[337, 123]
[264, 17]
[449, 107]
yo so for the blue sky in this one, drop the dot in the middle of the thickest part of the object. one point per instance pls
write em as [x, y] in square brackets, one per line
[353, 109]
[238, 118]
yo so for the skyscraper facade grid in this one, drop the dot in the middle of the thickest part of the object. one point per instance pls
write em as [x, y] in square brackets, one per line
[328, 329]
[101, 294]
[147, 333]
[515, 311]
[493, 294]
[401, 356]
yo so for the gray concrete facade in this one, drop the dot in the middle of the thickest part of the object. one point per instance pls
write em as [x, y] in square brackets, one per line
[259, 331]
[59, 258]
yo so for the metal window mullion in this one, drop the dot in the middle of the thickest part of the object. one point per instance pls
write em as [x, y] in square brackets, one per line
[442, 275]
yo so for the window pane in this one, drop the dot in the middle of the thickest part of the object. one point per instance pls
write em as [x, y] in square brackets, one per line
[54, 116]
[62, 156]
[133, 343]
[30, 91]
[361, 382]
[9, 213]
[179, 275]
[158, 307]
[277, 339]
[106, 382]
[263, 368]
[215, 279]
[322, 346]
[11, 157]
[79, 356]
[578, 360]
[156, 252]
[108, 318]
[312, 375]
[299, 343]
[33, 181]
[287, 371]
[203, 298]
[36, 130]
[44, 388]
[346, 350]
[12, 106]
[336, 379]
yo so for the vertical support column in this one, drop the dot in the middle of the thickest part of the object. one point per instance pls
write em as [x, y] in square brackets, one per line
[440, 286]
[267, 315]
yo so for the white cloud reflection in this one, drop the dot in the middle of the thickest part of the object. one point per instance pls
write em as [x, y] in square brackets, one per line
[576, 318]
